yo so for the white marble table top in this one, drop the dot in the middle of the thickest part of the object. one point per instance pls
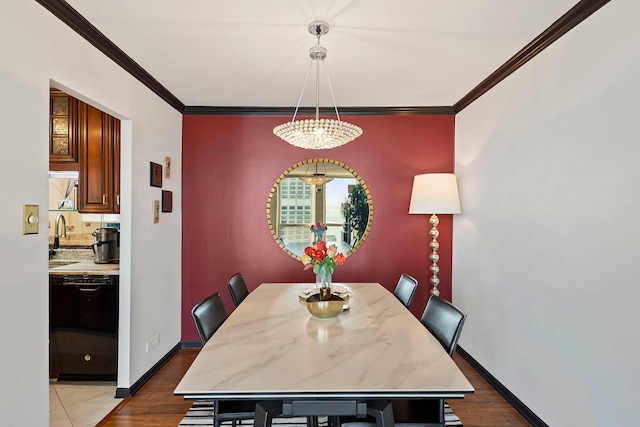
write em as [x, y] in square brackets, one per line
[271, 347]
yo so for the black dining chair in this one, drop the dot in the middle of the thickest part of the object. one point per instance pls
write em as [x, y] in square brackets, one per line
[406, 289]
[237, 288]
[208, 315]
[444, 321]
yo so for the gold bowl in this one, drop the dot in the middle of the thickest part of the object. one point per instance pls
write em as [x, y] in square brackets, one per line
[324, 309]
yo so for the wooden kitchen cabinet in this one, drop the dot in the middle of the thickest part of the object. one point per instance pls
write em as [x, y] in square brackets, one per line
[63, 132]
[98, 160]
[116, 166]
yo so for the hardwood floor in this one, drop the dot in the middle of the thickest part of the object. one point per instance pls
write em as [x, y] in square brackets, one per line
[485, 407]
[156, 406]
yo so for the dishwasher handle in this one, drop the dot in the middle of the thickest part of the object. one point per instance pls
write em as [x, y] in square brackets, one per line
[84, 288]
[86, 284]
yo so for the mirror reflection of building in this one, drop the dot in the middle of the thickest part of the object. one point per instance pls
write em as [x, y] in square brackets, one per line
[296, 206]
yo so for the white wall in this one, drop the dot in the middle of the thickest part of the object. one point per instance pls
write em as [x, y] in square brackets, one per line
[37, 48]
[546, 251]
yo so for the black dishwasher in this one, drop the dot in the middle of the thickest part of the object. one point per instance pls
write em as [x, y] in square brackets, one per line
[83, 327]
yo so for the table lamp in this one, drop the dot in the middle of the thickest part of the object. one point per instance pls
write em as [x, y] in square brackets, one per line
[434, 193]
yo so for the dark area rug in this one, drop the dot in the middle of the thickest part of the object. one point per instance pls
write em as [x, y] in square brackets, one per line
[201, 414]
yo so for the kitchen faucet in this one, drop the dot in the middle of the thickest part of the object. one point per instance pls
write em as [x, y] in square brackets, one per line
[56, 236]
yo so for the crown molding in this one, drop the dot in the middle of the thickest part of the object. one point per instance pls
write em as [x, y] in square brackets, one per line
[67, 14]
[566, 22]
[347, 111]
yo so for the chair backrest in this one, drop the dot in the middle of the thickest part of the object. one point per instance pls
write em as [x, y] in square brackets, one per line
[406, 289]
[444, 320]
[208, 315]
[238, 289]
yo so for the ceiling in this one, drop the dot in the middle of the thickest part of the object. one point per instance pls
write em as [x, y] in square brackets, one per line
[381, 53]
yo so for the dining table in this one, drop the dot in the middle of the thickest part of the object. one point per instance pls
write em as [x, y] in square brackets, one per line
[272, 349]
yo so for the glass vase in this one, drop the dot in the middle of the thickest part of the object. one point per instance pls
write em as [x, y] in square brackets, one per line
[323, 282]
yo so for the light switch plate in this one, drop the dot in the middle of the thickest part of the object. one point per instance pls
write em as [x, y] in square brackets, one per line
[30, 219]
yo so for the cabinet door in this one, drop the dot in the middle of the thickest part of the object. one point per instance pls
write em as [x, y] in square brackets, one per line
[95, 158]
[63, 130]
[116, 165]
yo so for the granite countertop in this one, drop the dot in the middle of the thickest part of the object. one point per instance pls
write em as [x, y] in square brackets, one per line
[79, 261]
[86, 268]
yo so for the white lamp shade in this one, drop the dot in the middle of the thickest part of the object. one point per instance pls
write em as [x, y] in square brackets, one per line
[435, 193]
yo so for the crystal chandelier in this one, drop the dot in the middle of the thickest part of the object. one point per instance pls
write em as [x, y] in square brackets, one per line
[317, 134]
[317, 178]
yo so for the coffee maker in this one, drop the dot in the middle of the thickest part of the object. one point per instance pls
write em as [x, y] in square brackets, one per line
[106, 246]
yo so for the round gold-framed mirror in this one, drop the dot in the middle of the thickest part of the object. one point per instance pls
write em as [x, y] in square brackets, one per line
[320, 192]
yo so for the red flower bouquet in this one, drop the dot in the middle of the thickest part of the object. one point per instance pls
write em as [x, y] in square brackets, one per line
[319, 256]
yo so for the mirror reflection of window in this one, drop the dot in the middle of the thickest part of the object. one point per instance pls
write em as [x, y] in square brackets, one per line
[302, 205]
[296, 211]
[295, 205]
[337, 193]
[355, 210]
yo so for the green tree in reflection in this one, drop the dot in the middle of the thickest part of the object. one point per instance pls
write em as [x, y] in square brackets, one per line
[356, 212]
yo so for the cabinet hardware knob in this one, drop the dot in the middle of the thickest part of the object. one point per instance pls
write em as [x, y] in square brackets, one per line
[87, 357]
[104, 199]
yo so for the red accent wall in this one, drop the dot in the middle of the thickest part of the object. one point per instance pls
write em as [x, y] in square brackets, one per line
[230, 163]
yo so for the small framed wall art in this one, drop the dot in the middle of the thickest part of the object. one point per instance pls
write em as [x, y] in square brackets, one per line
[167, 167]
[156, 211]
[167, 201]
[155, 175]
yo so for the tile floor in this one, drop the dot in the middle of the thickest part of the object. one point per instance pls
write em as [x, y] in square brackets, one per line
[80, 404]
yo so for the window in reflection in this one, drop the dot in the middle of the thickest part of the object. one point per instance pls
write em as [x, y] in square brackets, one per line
[294, 206]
